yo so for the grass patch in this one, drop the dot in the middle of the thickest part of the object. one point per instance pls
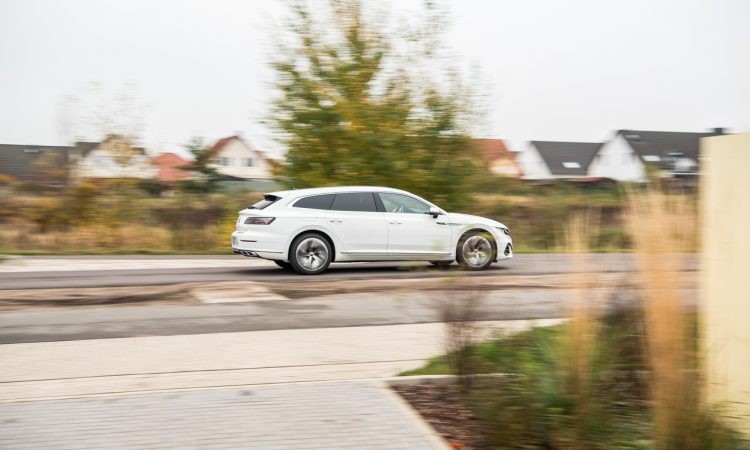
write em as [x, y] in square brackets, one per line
[504, 354]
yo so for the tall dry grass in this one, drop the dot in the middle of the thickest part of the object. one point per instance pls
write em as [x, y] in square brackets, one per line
[461, 312]
[662, 227]
[126, 238]
[579, 346]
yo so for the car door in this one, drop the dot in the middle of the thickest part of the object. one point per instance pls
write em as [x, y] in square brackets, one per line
[358, 225]
[412, 230]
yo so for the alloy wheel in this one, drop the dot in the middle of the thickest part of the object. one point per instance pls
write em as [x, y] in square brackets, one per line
[476, 251]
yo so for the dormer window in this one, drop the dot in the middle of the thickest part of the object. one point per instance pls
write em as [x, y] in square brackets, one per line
[571, 165]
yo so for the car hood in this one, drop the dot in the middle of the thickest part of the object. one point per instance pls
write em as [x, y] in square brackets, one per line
[467, 219]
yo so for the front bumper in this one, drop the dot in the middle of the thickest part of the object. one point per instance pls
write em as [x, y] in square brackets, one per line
[504, 247]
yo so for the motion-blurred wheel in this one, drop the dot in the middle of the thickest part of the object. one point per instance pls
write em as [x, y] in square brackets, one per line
[310, 254]
[476, 250]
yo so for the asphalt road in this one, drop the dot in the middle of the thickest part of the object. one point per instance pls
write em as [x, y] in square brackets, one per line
[533, 264]
[342, 310]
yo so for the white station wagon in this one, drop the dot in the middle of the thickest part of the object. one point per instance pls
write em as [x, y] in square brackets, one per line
[307, 229]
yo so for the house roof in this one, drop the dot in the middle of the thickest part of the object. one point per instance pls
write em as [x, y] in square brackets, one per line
[662, 143]
[84, 148]
[221, 143]
[36, 163]
[567, 158]
[169, 167]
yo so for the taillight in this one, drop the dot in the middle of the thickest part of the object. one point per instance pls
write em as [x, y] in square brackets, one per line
[259, 220]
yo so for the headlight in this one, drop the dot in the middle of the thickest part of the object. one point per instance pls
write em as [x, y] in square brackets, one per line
[259, 220]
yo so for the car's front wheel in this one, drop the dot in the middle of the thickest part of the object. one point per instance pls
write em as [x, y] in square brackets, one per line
[476, 250]
[310, 254]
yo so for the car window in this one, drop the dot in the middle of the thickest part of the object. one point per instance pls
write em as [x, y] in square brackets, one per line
[397, 203]
[354, 201]
[316, 202]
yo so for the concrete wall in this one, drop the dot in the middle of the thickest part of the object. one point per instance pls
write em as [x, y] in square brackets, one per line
[725, 188]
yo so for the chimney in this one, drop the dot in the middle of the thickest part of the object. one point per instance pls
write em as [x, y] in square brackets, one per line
[718, 131]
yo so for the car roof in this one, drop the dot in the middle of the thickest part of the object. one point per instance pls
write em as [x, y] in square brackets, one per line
[332, 190]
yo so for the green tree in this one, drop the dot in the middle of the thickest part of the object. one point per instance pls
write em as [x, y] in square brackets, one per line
[360, 105]
[205, 176]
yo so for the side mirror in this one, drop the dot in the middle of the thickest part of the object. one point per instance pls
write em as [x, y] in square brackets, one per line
[434, 212]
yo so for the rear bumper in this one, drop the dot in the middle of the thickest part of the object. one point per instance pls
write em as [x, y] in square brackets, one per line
[243, 245]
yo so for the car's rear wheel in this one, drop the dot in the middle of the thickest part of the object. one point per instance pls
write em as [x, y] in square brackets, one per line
[310, 254]
[476, 250]
[283, 264]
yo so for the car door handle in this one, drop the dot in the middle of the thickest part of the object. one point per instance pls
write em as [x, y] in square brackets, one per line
[335, 220]
[396, 223]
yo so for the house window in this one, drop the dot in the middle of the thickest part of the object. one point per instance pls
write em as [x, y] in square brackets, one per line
[571, 165]
[249, 162]
[224, 161]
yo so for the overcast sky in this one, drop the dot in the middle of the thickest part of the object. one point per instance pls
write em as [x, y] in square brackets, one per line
[558, 70]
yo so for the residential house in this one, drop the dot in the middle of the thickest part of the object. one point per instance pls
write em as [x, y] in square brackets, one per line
[546, 160]
[40, 164]
[630, 153]
[170, 168]
[237, 160]
[497, 158]
[115, 157]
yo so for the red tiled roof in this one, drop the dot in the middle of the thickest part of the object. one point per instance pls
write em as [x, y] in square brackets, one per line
[168, 165]
[492, 149]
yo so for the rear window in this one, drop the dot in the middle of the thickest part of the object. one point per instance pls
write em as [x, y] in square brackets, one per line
[355, 201]
[266, 202]
[316, 202]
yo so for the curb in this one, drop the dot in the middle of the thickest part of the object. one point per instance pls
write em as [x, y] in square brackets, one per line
[8, 258]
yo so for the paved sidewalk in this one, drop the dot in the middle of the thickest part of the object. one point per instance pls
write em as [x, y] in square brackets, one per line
[343, 415]
[43, 370]
[283, 389]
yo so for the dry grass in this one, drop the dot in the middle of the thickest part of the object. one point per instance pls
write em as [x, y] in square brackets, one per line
[661, 227]
[579, 345]
[103, 238]
[461, 313]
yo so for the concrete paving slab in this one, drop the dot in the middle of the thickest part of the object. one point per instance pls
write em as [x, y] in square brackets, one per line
[342, 415]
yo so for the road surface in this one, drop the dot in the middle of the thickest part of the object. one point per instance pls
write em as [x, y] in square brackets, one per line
[533, 264]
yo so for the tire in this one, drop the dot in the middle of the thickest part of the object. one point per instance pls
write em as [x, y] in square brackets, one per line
[283, 264]
[476, 250]
[441, 264]
[310, 254]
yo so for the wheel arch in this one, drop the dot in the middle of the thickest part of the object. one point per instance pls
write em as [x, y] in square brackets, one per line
[317, 231]
[479, 229]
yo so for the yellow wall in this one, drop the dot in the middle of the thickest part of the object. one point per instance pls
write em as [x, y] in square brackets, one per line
[725, 190]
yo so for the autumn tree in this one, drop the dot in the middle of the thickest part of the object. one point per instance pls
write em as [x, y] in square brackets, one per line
[358, 104]
[205, 177]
